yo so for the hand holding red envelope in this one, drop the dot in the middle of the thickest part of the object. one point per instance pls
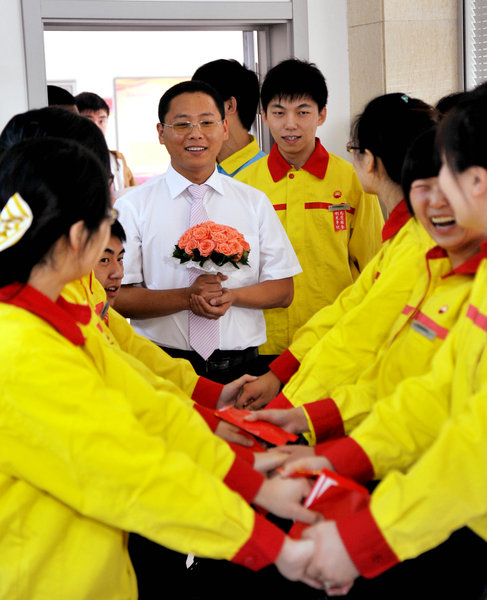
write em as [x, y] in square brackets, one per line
[266, 431]
[334, 496]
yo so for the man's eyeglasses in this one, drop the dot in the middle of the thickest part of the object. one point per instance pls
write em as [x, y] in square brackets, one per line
[351, 148]
[185, 127]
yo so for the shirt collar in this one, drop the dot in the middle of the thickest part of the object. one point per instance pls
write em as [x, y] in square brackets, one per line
[399, 216]
[316, 164]
[469, 267]
[62, 315]
[177, 183]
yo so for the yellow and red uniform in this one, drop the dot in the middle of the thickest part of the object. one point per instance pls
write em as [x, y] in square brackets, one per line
[118, 331]
[428, 441]
[90, 451]
[333, 225]
[349, 344]
[436, 301]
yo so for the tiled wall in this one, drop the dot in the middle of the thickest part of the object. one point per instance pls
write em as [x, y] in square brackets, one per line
[396, 45]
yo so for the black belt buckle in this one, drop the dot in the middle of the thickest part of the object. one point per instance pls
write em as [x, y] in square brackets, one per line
[218, 365]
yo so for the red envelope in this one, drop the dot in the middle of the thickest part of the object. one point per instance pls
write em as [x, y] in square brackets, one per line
[266, 431]
[334, 496]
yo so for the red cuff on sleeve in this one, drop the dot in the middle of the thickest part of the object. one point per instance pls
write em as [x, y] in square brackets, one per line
[207, 392]
[208, 415]
[244, 453]
[243, 479]
[348, 458]
[284, 366]
[326, 419]
[365, 543]
[280, 401]
[263, 546]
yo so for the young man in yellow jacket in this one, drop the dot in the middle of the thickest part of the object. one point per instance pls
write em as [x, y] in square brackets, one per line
[333, 225]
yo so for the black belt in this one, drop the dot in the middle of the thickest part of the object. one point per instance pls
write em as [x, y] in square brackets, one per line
[220, 360]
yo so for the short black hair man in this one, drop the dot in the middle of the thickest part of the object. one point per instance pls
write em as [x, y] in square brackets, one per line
[93, 107]
[333, 225]
[239, 88]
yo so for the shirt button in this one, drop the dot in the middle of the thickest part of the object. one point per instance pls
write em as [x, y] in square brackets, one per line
[291, 175]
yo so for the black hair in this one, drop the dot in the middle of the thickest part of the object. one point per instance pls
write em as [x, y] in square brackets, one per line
[62, 183]
[462, 133]
[421, 162]
[58, 96]
[91, 102]
[230, 78]
[448, 102]
[55, 123]
[388, 126]
[189, 87]
[118, 231]
[294, 79]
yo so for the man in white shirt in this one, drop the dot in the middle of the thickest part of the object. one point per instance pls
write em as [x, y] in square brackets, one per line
[157, 293]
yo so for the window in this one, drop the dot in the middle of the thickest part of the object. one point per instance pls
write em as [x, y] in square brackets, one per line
[475, 26]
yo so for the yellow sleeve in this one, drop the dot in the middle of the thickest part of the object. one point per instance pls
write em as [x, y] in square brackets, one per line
[401, 427]
[70, 433]
[445, 490]
[178, 370]
[326, 318]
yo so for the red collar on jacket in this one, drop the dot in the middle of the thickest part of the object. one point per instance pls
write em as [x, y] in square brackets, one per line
[316, 164]
[469, 267]
[62, 315]
[399, 216]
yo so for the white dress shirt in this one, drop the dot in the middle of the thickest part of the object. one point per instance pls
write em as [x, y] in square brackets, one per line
[156, 214]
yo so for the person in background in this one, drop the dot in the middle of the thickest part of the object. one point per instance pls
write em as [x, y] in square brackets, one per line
[109, 269]
[93, 107]
[333, 225]
[239, 88]
[61, 98]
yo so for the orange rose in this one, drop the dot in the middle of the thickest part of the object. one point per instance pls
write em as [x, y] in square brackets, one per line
[235, 248]
[184, 239]
[223, 248]
[190, 246]
[206, 247]
[219, 236]
[200, 232]
[215, 226]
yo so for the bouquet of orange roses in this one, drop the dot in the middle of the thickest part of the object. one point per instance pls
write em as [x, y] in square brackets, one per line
[209, 241]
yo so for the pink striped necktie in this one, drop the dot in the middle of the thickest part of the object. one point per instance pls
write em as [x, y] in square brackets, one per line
[204, 334]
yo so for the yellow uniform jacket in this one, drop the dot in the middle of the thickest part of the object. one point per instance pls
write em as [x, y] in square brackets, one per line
[350, 346]
[333, 225]
[88, 454]
[429, 442]
[437, 300]
[241, 159]
[119, 332]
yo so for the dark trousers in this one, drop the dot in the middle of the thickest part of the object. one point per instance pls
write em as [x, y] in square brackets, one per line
[224, 366]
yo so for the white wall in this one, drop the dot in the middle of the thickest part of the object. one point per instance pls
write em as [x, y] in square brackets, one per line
[13, 89]
[328, 48]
